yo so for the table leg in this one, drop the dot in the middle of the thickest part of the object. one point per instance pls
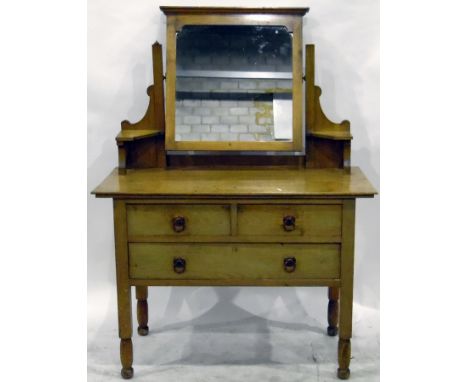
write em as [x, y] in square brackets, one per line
[346, 290]
[344, 342]
[142, 310]
[126, 358]
[344, 358]
[333, 310]
[125, 329]
[124, 301]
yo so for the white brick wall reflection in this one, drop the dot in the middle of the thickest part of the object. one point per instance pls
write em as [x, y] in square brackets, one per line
[226, 120]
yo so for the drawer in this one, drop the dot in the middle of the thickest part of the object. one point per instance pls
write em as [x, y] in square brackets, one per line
[178, 219]
[316, 222]
[240, 261]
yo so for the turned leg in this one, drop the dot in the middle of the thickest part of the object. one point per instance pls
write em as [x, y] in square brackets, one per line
[344, 342]
[346, 290]
[142, 309]
[333, 310]
[125, 329]
[126, 358]
[124, 301]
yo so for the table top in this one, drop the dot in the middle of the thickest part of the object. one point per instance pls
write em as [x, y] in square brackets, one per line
[242, 183]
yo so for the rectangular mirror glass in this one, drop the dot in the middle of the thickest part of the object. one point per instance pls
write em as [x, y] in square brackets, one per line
[234, 83]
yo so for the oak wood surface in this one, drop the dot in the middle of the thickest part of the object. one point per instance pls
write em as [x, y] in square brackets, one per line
[176, 10]
[333, 311]
[124, 303]
[133, 135]
[334, 282]
[240, 261]
[333, 134]
[234, 161]
[318, 220]
[157, 219]
[234, 234]
[346, 290]
[254, 183]
[141, 294]
[344, 357]
[347, 269]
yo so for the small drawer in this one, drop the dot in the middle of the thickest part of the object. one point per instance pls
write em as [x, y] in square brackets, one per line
[313, 222]
[236, 262]
[175, 219]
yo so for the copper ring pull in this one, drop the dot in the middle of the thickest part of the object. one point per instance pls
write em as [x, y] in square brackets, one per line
[289, 223]
[179, 265]
[178, 223]
[289, 264]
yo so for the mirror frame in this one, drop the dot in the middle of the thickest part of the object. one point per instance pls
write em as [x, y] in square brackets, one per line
[293, 23]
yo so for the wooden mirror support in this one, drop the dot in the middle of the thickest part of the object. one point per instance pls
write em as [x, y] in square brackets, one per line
[142, 144]
[235, 218]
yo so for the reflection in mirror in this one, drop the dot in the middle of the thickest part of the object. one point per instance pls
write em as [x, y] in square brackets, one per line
[233, 83]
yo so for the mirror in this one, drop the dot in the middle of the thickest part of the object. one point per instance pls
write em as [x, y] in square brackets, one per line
[234, 83]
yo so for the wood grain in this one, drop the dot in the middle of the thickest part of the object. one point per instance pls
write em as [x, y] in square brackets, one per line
[171, 10]
[133, 135]
[344, 357]
[254, 183]
[333, 311]
[157, 219]
[279, 282]
[141, 293]
[124, 303]
[319, 221]
[241, 261]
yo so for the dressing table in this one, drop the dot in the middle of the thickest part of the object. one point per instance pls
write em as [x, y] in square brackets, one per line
[234, 176]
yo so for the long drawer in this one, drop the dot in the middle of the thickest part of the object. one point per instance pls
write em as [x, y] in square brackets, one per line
[229, 261]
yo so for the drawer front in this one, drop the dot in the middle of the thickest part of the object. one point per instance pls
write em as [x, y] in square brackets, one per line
[240, 261]
[315, 222]
[178, 219]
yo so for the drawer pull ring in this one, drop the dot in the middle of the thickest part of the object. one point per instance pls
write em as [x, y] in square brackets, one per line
[179, 265]
[289, 264]
[289, 223]
[178, 223]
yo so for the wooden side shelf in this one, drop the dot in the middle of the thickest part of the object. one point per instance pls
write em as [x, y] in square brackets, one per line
[134, 135]
[331, 134]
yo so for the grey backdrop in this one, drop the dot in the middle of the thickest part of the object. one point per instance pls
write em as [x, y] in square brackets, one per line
[120, 35]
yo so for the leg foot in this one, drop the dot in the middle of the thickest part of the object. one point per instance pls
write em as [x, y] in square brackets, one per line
[142, 310]
[332, 331]
[343, 374]
[333, 310]
[143, 330]
[344, 358]
[126, 357]
[127, 372]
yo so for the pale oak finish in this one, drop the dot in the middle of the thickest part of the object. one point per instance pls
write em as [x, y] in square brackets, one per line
[124, 302]
[233, 214]
[154, 220]
[141, 293]
[253, 183]
[346, 291]
[322, 222]
[240, 261]
[333, 310]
